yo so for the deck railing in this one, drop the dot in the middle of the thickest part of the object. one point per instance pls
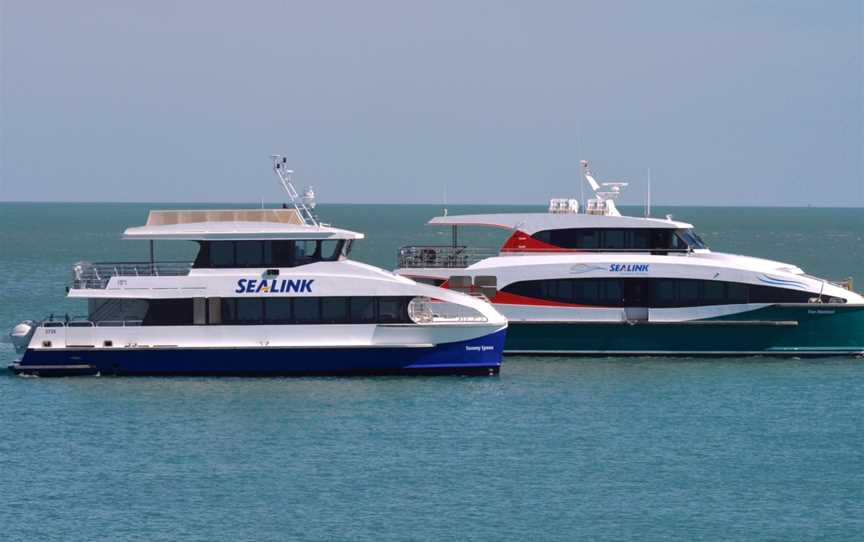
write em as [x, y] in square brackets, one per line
[438, 256]
[86, 275]
[427, 311]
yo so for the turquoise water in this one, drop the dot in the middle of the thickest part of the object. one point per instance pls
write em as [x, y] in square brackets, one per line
[552, 449]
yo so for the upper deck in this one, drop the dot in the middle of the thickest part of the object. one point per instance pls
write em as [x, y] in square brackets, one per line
[228, 238]
[543, 233]
[233, 224]
[532, 223]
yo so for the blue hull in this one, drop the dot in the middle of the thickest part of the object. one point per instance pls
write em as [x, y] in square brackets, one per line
[477, 356]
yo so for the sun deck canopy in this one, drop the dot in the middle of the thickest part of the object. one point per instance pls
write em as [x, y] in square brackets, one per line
[533, 222]
[232, 224]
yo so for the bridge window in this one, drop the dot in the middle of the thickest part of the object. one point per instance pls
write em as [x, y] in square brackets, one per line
[249, 254]
[221, 254]
[278, 253]
[267, 254]
[657, 239]
[617, 239]
[330, 250]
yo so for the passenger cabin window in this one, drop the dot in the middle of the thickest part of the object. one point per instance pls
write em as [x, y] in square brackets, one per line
[653, 239]
[654, 292]
[259, 310]
[314, 310]
[278, 311]
[267, 254]
[169, 312]
[362, 310]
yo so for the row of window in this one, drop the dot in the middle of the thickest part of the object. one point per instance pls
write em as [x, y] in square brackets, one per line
[315, 310]
[621, 238]
[287, 253]
[653, 292]
[277, 310]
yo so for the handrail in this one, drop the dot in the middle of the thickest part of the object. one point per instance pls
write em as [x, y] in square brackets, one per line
[89, 323]
[89, 275]
[557, 250]
[424, 310]
[440, 256]
[458, 257]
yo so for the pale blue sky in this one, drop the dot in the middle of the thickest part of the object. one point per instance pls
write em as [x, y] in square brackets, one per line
[728, 102]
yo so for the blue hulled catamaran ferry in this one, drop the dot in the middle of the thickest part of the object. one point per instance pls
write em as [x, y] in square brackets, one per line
[271, 292]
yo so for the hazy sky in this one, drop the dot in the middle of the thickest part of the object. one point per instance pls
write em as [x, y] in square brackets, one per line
[728, 102]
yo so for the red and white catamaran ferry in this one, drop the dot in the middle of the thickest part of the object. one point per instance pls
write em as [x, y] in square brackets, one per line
[597, 282]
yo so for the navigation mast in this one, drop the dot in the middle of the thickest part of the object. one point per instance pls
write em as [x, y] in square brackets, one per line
[605, 194]
[284, 174]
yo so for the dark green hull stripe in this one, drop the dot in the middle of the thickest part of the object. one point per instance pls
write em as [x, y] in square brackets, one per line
[776, 330]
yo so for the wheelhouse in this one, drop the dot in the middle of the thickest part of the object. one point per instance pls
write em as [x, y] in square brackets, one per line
[622, 239]
[278, 253]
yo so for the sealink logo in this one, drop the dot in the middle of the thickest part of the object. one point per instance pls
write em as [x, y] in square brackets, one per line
[628, 267]
[273, 286]
[580, 268]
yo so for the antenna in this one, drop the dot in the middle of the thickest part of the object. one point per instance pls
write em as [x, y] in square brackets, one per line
[284, 174]
[648, 203]
[588, 176]
[579, 153]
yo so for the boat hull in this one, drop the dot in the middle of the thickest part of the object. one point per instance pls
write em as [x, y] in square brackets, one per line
[780, 330]
[477, 356]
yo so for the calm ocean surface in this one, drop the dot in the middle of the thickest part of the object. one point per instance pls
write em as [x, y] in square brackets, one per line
[552, 449]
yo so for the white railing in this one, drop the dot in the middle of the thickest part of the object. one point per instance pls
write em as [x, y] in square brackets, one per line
[87, 275]
[423, 310]
[448, 257]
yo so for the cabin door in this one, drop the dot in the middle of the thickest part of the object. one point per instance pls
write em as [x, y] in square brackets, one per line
[635, 300]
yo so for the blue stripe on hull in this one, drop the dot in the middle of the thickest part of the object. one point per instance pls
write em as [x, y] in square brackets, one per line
[476, 356]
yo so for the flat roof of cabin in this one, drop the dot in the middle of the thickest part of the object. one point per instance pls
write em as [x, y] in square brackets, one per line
[232, 224]
[534, 222]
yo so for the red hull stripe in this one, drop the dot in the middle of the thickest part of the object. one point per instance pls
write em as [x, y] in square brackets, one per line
[522, 242]
[504, 298]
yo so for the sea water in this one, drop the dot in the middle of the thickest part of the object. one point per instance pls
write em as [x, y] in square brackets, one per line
[552, 449]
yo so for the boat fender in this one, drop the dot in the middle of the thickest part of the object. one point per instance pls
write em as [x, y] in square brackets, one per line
[21, 335]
